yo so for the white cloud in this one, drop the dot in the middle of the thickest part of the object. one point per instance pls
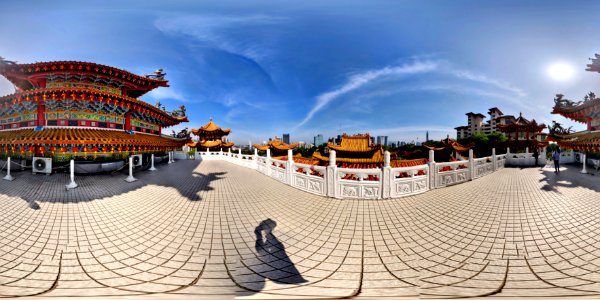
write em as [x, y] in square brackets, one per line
[359, 80]
[212, 30]
[6, 87]
[167, 94]
[463, 74]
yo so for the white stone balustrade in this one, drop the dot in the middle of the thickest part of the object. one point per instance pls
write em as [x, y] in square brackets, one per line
[345, 183]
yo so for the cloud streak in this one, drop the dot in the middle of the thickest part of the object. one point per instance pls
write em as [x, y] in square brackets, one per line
[463, 74]
[359, 80]
[214, 31]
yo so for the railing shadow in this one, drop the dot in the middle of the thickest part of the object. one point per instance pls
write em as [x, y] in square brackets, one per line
[41, 188]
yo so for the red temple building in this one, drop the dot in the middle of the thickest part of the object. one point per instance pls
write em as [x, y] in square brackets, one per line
[522, 133]
[211, 137]
[82, 109]
[586, 111]
[358, 151]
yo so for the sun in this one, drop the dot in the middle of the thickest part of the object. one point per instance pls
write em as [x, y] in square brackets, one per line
[560, 71]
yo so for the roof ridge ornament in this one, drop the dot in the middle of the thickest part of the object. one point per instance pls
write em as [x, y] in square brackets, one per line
[158, 75]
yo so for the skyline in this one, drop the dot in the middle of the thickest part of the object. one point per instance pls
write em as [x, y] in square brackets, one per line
[387, 68]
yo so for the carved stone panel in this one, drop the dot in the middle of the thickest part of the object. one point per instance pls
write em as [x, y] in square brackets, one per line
[350, 191]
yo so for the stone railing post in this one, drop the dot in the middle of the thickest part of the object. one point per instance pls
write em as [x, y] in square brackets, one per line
[584, 161]
[431, 173]
[494, 159]
[240, 154]
[268, 168]
[207, 152]
[229, 152]
[387, 178]
[220, 151]
[471, 165]
[290, 166]
[256, 158]
[332, 176]
[152, 168]
[508, 157]
[72, 184]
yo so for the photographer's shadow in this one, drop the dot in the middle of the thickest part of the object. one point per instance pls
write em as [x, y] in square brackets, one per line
[275, 264]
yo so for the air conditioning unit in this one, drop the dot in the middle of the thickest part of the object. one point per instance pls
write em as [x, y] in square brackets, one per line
[42, 165]
[137, 160]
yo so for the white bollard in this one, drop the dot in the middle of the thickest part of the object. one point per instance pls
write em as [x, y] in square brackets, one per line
[8, 176]
[130, 178]
[584, 158]
[72, 184]
[152, 168]
[170, 157]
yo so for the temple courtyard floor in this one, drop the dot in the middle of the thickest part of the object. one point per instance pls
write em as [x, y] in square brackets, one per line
[212, 230]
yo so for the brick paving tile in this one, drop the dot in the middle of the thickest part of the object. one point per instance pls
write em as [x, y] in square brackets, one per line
[213, 230]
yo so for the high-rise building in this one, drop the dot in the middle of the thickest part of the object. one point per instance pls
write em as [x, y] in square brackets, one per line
[382, 140]
[427, 136]
[318, 140]
[286, 138]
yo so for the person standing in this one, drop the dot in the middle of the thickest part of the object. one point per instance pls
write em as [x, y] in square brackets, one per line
[556, 158]
[536, 155]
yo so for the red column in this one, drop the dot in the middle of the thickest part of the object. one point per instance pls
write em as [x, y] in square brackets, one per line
[41, 114]
[589, 124]
[128, 120]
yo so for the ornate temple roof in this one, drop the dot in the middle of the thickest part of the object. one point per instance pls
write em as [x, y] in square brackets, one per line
[82, 94]
[28, 76]
[211, 129]
[85, 136]
[450, 145]
[587, 141]
[276, 145]
[211, 144]
[355, 143]
[521, 124]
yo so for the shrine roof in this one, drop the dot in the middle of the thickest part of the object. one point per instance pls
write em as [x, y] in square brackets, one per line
[84, 136]
[20, 74]
[83, 94]
[355, 143]
[211, 128]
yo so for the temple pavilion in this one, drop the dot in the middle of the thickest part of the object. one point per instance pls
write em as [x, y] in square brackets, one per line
[522, 133]
[77, 108]
[586, 111]
[277, 147]
[449, 148]
[354, 151]
[211, 137]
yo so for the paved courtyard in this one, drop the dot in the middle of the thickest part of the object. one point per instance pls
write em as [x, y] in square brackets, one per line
[216, 230]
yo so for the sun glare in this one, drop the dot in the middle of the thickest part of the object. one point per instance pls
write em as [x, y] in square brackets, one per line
[560, 71]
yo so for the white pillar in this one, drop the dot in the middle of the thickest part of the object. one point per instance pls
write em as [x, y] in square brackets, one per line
[8, 176]
[494, 159]
[255, 158]
[584, 159]
[240, 153]
[507, 150]
[152, 168]
[471, 165]
[229, 152]
[527, 150]
[290, 166]
[171, 157]
[431, 173]
[332, 190]
[130, 178]
[386, 179]
[268, 168]
[72, 184]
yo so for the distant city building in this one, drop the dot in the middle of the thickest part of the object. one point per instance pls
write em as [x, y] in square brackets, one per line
[286, 138]
[301, 144]
[403, 143]
[475, 123]
[427, 136]
[382, 140]
[318, 140]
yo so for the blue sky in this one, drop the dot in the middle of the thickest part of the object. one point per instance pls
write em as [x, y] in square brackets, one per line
[396, 68]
